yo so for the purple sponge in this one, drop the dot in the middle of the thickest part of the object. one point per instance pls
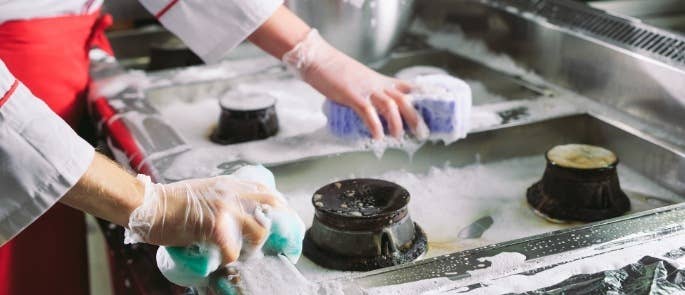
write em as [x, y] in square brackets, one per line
[344, 122]
[444, 103]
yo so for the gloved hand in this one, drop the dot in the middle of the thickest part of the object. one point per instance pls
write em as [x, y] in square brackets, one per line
[216, 220]
[350, 83]
[223, 211]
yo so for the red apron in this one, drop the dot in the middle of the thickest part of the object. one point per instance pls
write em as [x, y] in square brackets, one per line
[50, 56]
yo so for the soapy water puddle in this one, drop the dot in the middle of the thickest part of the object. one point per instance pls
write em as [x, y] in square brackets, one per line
[446, 199]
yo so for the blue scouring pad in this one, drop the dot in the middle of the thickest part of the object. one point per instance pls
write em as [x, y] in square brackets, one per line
[444, 102]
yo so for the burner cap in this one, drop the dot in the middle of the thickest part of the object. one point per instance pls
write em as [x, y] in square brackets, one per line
[245, 117]
[363, 224]
[580, 183]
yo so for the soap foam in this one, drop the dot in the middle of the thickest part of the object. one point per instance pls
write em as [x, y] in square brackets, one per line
[454, 40]
[246, 101]
[298, 107]
[505, 273]
[596, 261]
[461, 195]
[413, 72]
[444, 200]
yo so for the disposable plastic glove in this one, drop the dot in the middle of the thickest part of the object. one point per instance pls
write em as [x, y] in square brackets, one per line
[253, 189]
[350, 83]
[286, 229]
[222, 211]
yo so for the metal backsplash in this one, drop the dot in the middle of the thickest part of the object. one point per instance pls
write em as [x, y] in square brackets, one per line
[629, 33]
[617, 61]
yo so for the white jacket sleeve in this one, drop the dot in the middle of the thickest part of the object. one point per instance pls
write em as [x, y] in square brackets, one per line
[212, 27]
[41, 157]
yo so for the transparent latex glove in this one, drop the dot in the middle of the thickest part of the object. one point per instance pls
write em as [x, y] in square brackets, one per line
[350, 83]
[223, 211]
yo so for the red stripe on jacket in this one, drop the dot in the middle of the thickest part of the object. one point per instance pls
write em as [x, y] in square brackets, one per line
[9, 92]
[166, 8]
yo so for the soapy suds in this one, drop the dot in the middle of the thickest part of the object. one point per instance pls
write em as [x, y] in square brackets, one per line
[223, 70]
[505, 274]
[504, 260]
[281, 276]
[301, 121]
[411, 73]
[246, 101]
[437, 197]
[275, 275]
[295, 142]
[594, 263]
[302, 131]
[444, 200]
[481, 94]
[453, 39]
[630, 180]
[298, 107]
[500, 263]
[302, 125]
[204, 161]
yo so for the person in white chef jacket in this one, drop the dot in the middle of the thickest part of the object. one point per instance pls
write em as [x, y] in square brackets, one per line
[43, 162]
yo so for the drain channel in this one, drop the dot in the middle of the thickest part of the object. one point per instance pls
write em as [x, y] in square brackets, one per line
[627, 33]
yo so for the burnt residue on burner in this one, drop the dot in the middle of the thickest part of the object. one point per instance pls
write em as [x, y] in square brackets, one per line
[363, 224]
[364, 201]
[510, 115]
[580, 183]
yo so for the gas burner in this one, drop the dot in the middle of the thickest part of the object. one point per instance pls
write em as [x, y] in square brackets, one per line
[361, 225]
[580, 183]
[171, 54]
[245, 117]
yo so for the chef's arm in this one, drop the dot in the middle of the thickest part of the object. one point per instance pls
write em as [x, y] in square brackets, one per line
[43, 161]
[176, 214]
[280, 33]
[106, 191]
[337, 76]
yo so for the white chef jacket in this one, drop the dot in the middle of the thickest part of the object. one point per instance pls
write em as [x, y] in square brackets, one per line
[41, 157]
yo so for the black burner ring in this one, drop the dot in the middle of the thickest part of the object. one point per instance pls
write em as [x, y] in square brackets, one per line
[578, 194]
[363, 224]
[239, 124]
[418, 247]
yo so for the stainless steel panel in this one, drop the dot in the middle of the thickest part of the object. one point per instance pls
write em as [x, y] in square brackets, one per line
[495, 82]
[620, 69]
[642, 227]
[643, 154]
[637, 151]
[666, 14]
[365, 30]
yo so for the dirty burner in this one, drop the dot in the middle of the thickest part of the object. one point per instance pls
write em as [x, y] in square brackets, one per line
[245, 117]
[363, 224]
[580, 183]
